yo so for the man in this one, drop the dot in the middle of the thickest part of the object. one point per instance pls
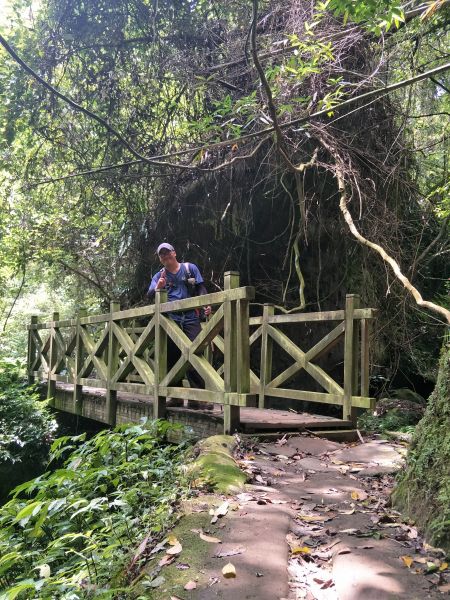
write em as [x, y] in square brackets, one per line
[181, 280]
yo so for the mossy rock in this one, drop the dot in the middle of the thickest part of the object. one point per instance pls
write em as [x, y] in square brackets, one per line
[423, 490]
[216, 466]
[407, 394]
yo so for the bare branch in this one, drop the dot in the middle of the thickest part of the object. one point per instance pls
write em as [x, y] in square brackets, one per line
[384, 255]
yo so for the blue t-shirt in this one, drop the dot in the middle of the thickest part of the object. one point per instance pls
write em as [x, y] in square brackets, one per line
[177, 287]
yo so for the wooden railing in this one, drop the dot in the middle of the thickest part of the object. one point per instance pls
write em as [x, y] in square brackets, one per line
[126, 351]
[352, 329]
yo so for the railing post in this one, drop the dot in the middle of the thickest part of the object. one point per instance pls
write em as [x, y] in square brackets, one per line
[160, 357]
[351, 357]
[113, 364]
[365, 333]
[231, 414]
[77, 387]
[31, 351]
[266, 354]
[53, 353]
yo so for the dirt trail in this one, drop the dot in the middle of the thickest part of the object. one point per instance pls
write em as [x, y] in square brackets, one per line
[316, 524]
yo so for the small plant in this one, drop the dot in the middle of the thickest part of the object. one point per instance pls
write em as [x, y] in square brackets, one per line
[71, 533]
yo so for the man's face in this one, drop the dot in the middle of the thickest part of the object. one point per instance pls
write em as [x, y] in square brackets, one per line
[167, 257]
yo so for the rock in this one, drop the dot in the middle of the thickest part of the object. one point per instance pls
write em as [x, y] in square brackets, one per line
[406, 394]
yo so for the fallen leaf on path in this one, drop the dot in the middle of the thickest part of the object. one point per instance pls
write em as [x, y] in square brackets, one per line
[301, 550]
[166, 560]
[443, 566]
[175, 598]
[350, 531]
[209, 538]
[231, 552]
[347, 512]
[182, 566]
[407, 560]
[191, 585]
[212, 581]
[282, 441]
[220, 512]
[359, 495]
[444, 588]
[229, 571]
[159, 547]
[175, 549]
[258, 574]
[172, 540]
[324, 585]
[313, 518]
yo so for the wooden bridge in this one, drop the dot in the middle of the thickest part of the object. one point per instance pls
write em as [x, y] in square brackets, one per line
[126, 351]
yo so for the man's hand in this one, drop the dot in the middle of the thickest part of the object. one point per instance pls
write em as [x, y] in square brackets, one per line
[207, 311]
[162, 280]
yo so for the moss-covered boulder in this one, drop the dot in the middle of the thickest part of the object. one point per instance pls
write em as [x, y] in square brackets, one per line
[423, 491]
[216, 466]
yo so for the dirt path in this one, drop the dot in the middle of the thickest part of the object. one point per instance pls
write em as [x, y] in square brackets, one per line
[316, 524]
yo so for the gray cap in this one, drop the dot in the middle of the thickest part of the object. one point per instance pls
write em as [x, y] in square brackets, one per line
[165, 246]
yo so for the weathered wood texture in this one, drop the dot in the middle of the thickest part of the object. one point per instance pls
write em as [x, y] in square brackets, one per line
[126, 351]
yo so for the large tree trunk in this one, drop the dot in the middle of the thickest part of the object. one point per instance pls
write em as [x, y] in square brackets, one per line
[423, 492]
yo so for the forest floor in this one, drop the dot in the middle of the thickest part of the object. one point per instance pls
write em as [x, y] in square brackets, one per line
[315, 523]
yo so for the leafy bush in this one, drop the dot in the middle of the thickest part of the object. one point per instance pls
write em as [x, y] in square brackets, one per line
[26, 426]
[74, 537]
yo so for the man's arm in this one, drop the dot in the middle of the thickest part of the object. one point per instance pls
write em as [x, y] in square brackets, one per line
[157, 283]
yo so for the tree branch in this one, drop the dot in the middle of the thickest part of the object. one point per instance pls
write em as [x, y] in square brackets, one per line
[70, 102]
[155, 160]
[384, 255]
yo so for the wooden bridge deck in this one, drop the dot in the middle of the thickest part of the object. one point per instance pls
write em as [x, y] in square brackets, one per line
[132, 407]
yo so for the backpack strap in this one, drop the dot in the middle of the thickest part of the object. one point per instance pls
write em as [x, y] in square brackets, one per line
[187, 268]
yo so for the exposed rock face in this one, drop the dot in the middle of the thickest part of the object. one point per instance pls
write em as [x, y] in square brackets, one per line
[423, 491]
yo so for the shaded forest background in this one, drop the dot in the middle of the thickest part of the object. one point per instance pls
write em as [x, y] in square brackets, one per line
[171, 138]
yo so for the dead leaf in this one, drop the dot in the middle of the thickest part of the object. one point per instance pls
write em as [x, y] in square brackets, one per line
[231, 552]
[313, 518]
[166, 560]
[347, 512]
[159, 547]
[191, 585]
[209, 538]
[175, 549]
[358, 495]
[229, 572]
[142, 546]
[175, 598]
[182, 566]
[301, 550]
[443, 566]
[220, 512]
[212, 581]
[172, 540]
[444, 588]
[407, 560]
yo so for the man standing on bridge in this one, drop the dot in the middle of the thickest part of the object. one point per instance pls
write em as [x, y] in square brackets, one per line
[181, 280]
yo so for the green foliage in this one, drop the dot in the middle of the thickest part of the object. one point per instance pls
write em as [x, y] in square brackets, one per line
[377, 15]
[74, 537]
[394, 420]
[26, 426]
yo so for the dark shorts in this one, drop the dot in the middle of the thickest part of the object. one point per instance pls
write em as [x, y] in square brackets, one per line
[191, 327]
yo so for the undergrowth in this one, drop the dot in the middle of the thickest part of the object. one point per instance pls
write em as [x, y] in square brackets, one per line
[72, 533]
[26, 429]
